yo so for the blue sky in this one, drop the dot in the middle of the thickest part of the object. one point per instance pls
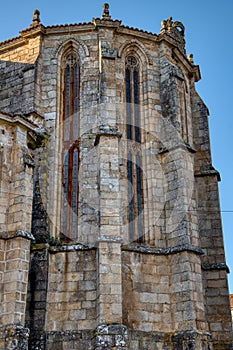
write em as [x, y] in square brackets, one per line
[208, 33]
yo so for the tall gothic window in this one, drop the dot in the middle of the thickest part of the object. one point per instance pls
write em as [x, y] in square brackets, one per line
[70, 145]
[133, 134]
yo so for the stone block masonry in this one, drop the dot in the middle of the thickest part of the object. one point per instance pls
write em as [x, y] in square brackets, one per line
[110, 227]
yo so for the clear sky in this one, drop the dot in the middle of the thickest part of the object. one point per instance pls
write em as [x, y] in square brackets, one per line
[208, 33]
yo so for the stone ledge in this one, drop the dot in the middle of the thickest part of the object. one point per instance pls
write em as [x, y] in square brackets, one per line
[69, 248]
[109, 23]
[113, 239]
[118, 337]
[210, 172]
[181, 145]
[220, 266]
[162, 251]
[107, 130]
[18, 233]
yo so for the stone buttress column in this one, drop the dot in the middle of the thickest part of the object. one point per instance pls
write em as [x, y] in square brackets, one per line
[187, 300]
[109, 290]
[15, 225]
[110, 332]
[214, 268]
[181, 216]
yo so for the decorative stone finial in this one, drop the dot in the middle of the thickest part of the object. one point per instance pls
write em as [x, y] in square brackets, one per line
[190, 58]
[105, 13]
[169, 26]
[36, 17]
[175, 30]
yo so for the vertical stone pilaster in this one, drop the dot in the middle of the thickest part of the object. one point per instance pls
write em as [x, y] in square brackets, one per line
[15, 227]
[109, 182]
[188, 311]
[109, 290]
[14, 283]
[187, 292]
[109, 281]
[180, 207]
[15, 276]
[214, 268]
[109, 242]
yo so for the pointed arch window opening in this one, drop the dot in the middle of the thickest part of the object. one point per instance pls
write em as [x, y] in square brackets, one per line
[70, 145]
[133, 134]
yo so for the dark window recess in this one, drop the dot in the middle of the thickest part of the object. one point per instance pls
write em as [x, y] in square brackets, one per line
[69, 217]
[133, 134]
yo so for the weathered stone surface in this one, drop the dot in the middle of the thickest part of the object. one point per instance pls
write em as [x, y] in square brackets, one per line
[14, 337]
[109, 208]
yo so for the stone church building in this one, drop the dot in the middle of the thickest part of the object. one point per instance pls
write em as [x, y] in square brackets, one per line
[110, 226]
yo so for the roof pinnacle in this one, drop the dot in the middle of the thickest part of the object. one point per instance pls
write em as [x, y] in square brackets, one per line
[36, 17]
[105, 13]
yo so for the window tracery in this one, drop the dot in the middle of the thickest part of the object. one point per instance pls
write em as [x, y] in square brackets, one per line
[133, 134]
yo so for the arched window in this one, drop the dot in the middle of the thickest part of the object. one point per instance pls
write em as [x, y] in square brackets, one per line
[133, 134]
[70, 144]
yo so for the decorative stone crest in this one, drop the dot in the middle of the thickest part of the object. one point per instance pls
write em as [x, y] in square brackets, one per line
[175, 30]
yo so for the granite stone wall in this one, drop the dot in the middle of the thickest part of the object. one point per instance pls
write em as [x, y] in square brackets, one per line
[102, 288]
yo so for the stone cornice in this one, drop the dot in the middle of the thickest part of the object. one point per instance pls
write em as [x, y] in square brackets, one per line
[23, 37]
[209, 172]
[19, 119]
[191, 68]
[113, 239]
[69, 248]
[162, 251]
[106, 23]
[69, 28]
[137, 33]
[32, 31]
[19, 233]
[181, 145]
[220, 266]
[107, 130]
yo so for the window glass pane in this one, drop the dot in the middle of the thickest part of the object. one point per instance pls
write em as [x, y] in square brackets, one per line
[70, 152]
[128, 106]
[130, 196]
[134, 173]
[67, 92]
[136, 107]
[139, 196]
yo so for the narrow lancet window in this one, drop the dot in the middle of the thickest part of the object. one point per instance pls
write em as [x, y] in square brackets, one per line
[133, 134]
[70, 145]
